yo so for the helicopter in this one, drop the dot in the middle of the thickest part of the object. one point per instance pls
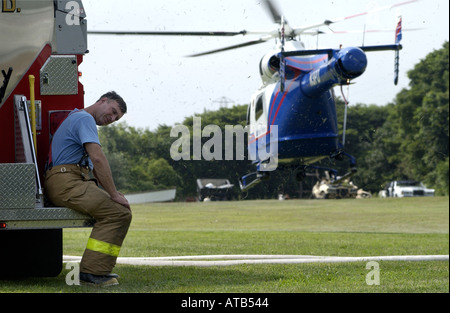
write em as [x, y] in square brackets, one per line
[292, 120]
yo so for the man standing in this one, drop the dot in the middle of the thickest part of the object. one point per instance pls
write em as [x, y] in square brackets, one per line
[75, 151]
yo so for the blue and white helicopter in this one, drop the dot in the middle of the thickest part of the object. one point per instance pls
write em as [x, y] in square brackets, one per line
[292, 119]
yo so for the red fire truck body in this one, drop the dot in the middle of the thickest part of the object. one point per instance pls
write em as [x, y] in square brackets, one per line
[42, 44]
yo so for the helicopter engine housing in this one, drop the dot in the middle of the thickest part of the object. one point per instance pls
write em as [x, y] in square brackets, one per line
[269, 66]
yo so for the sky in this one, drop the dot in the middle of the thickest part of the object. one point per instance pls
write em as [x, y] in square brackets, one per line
[162, 86]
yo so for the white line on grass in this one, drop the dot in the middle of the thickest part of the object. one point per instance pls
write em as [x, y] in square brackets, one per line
[227, 260]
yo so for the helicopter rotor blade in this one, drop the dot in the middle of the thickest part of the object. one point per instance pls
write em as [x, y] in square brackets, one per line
[387, 7]
[276, 16]
[301, 30]
[339, 32]
[274, 13]
[241, 45]
[166, 33]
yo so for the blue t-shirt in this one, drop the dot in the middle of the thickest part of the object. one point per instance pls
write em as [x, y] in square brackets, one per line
[76, 130]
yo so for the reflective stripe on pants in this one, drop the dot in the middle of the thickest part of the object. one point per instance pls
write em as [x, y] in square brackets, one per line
[103, 247]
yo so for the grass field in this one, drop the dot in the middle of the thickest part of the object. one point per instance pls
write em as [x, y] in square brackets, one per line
[366, 227]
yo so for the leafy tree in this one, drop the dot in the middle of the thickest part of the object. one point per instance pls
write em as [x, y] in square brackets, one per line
[421, 115]
[138, 158]
[364, 124]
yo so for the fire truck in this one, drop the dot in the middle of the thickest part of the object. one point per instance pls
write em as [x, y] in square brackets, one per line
[42, 44]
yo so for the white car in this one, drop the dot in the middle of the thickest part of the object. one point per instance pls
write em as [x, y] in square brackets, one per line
[406, 188]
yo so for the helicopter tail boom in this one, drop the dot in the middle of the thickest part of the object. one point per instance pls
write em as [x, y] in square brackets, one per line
[344, 65]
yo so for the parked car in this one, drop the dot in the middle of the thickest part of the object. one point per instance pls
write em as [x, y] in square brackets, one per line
[406, 188]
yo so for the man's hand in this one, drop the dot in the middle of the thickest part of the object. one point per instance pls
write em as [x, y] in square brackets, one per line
[120, 198]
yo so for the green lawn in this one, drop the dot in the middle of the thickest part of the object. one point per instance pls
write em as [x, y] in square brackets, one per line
[366, 227]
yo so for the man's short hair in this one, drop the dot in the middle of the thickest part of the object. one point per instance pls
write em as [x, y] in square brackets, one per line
[112, 95]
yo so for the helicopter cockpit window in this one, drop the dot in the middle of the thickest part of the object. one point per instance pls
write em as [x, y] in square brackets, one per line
[259, 108]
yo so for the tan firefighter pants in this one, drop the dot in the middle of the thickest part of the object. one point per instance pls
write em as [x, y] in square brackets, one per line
[69, 186]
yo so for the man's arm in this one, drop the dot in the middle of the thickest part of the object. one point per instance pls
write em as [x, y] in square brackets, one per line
[102, 172]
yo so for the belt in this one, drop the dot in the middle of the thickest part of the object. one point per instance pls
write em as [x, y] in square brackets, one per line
[84, 161]
[67, 168]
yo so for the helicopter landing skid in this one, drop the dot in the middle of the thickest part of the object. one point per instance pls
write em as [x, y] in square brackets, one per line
[263, 169]
[347, 175]
[250, 180]
[335, 179]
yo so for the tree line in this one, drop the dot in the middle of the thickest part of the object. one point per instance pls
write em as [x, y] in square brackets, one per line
[405, 139]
